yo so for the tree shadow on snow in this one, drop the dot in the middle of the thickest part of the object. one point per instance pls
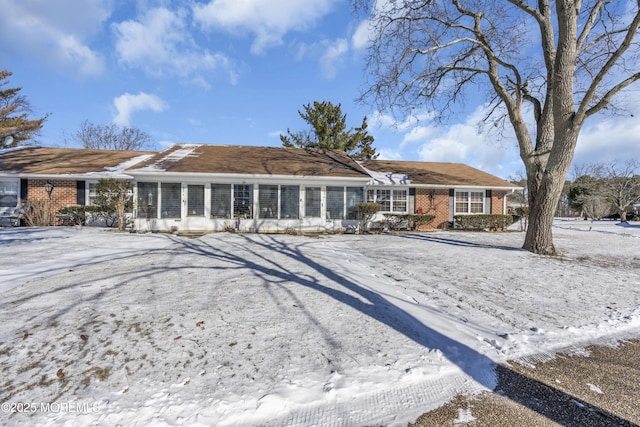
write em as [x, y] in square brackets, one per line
[340, 288]
[454, 242]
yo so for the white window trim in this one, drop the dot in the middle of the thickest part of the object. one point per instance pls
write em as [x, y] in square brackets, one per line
[469, 191]
[391, 200]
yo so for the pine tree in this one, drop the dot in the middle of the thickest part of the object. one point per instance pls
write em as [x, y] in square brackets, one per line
[328, 130]
[15, 127]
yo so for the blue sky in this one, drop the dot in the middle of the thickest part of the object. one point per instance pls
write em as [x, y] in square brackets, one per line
[234, 72]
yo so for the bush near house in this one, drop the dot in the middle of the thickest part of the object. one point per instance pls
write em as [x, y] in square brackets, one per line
[406, 221]
[83, 215]
[483, 222]
[368, 210]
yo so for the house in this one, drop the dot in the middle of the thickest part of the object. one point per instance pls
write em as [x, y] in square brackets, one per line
[249, 188]
[63, 176]
[440, 189]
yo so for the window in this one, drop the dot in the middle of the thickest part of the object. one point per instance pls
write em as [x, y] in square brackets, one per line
[171, 200]
[147, 200]
[268, 201]
[220, 200]
[469, 202]
[195, 200]
[391, 200]
[9, 194]
[382, 197]
[399, 201]
[243, 201]
[290, 201]
[92, 193]
[354, 198]
[335, 202]
[312, 202]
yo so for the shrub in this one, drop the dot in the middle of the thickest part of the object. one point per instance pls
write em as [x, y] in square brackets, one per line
[483, 222]
[78, 214]
[406, 221]
[36, 213]
[368, 211]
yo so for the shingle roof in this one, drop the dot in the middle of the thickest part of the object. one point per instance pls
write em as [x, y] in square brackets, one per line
[431, 173]
[232, 159]
[66, 161]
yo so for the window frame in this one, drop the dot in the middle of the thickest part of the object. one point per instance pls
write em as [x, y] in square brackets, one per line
[195, 200]
[244, 211]
[8, 192]
[471, 204]
[217, 208]
[289, 202]
[316, 191]
[389, 199]
[163, 211]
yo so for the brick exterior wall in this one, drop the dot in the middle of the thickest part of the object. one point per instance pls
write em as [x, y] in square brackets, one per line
[498, 202]
[433, 202]
[436, 202]
[64, 193]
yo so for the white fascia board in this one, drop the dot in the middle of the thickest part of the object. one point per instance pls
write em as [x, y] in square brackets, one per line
[472, 187]
[245, 178]
[76, 177]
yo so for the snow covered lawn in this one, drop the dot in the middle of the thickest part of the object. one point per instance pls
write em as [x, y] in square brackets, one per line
[102, 328]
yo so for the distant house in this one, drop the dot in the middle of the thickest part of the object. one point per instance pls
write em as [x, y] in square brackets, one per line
[260, 189]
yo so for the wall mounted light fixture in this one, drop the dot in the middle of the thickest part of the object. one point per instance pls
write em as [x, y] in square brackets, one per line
[48, 188]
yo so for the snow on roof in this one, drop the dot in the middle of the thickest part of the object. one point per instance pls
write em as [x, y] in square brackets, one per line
[128, 163]
[12, 149]
[174, 154]
[388, 178]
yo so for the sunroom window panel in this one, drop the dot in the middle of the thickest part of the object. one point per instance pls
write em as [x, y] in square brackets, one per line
[290, 201]
[462, 202]
[312, 202]
[195, 200]
[242, 201]
[268, 201]
[354, 198]
[9, 194]
[399, 201]
[477, 202]
[171, 200]
[147, 200]
[220, 200]
[335, 202]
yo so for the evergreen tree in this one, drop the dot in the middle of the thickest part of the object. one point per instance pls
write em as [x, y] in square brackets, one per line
[15, 127]
[328, 130]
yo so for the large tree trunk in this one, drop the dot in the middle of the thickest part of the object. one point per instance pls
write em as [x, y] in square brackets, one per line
[539, 237]
[545, 183]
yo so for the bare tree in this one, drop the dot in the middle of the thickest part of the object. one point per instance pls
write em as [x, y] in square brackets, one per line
[15, 126]
[110, 137]
[619, 185]
[595, 206]
[547, 67]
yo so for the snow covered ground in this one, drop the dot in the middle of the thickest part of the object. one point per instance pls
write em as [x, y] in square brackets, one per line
[103, 328]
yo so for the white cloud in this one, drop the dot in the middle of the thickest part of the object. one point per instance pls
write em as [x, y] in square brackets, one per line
[267, 20]
[387, 121]
[361, 36]
[159, 42]
[127, 104]
[49, 31]
[332, 56]
[609, 139]
[419, 133]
